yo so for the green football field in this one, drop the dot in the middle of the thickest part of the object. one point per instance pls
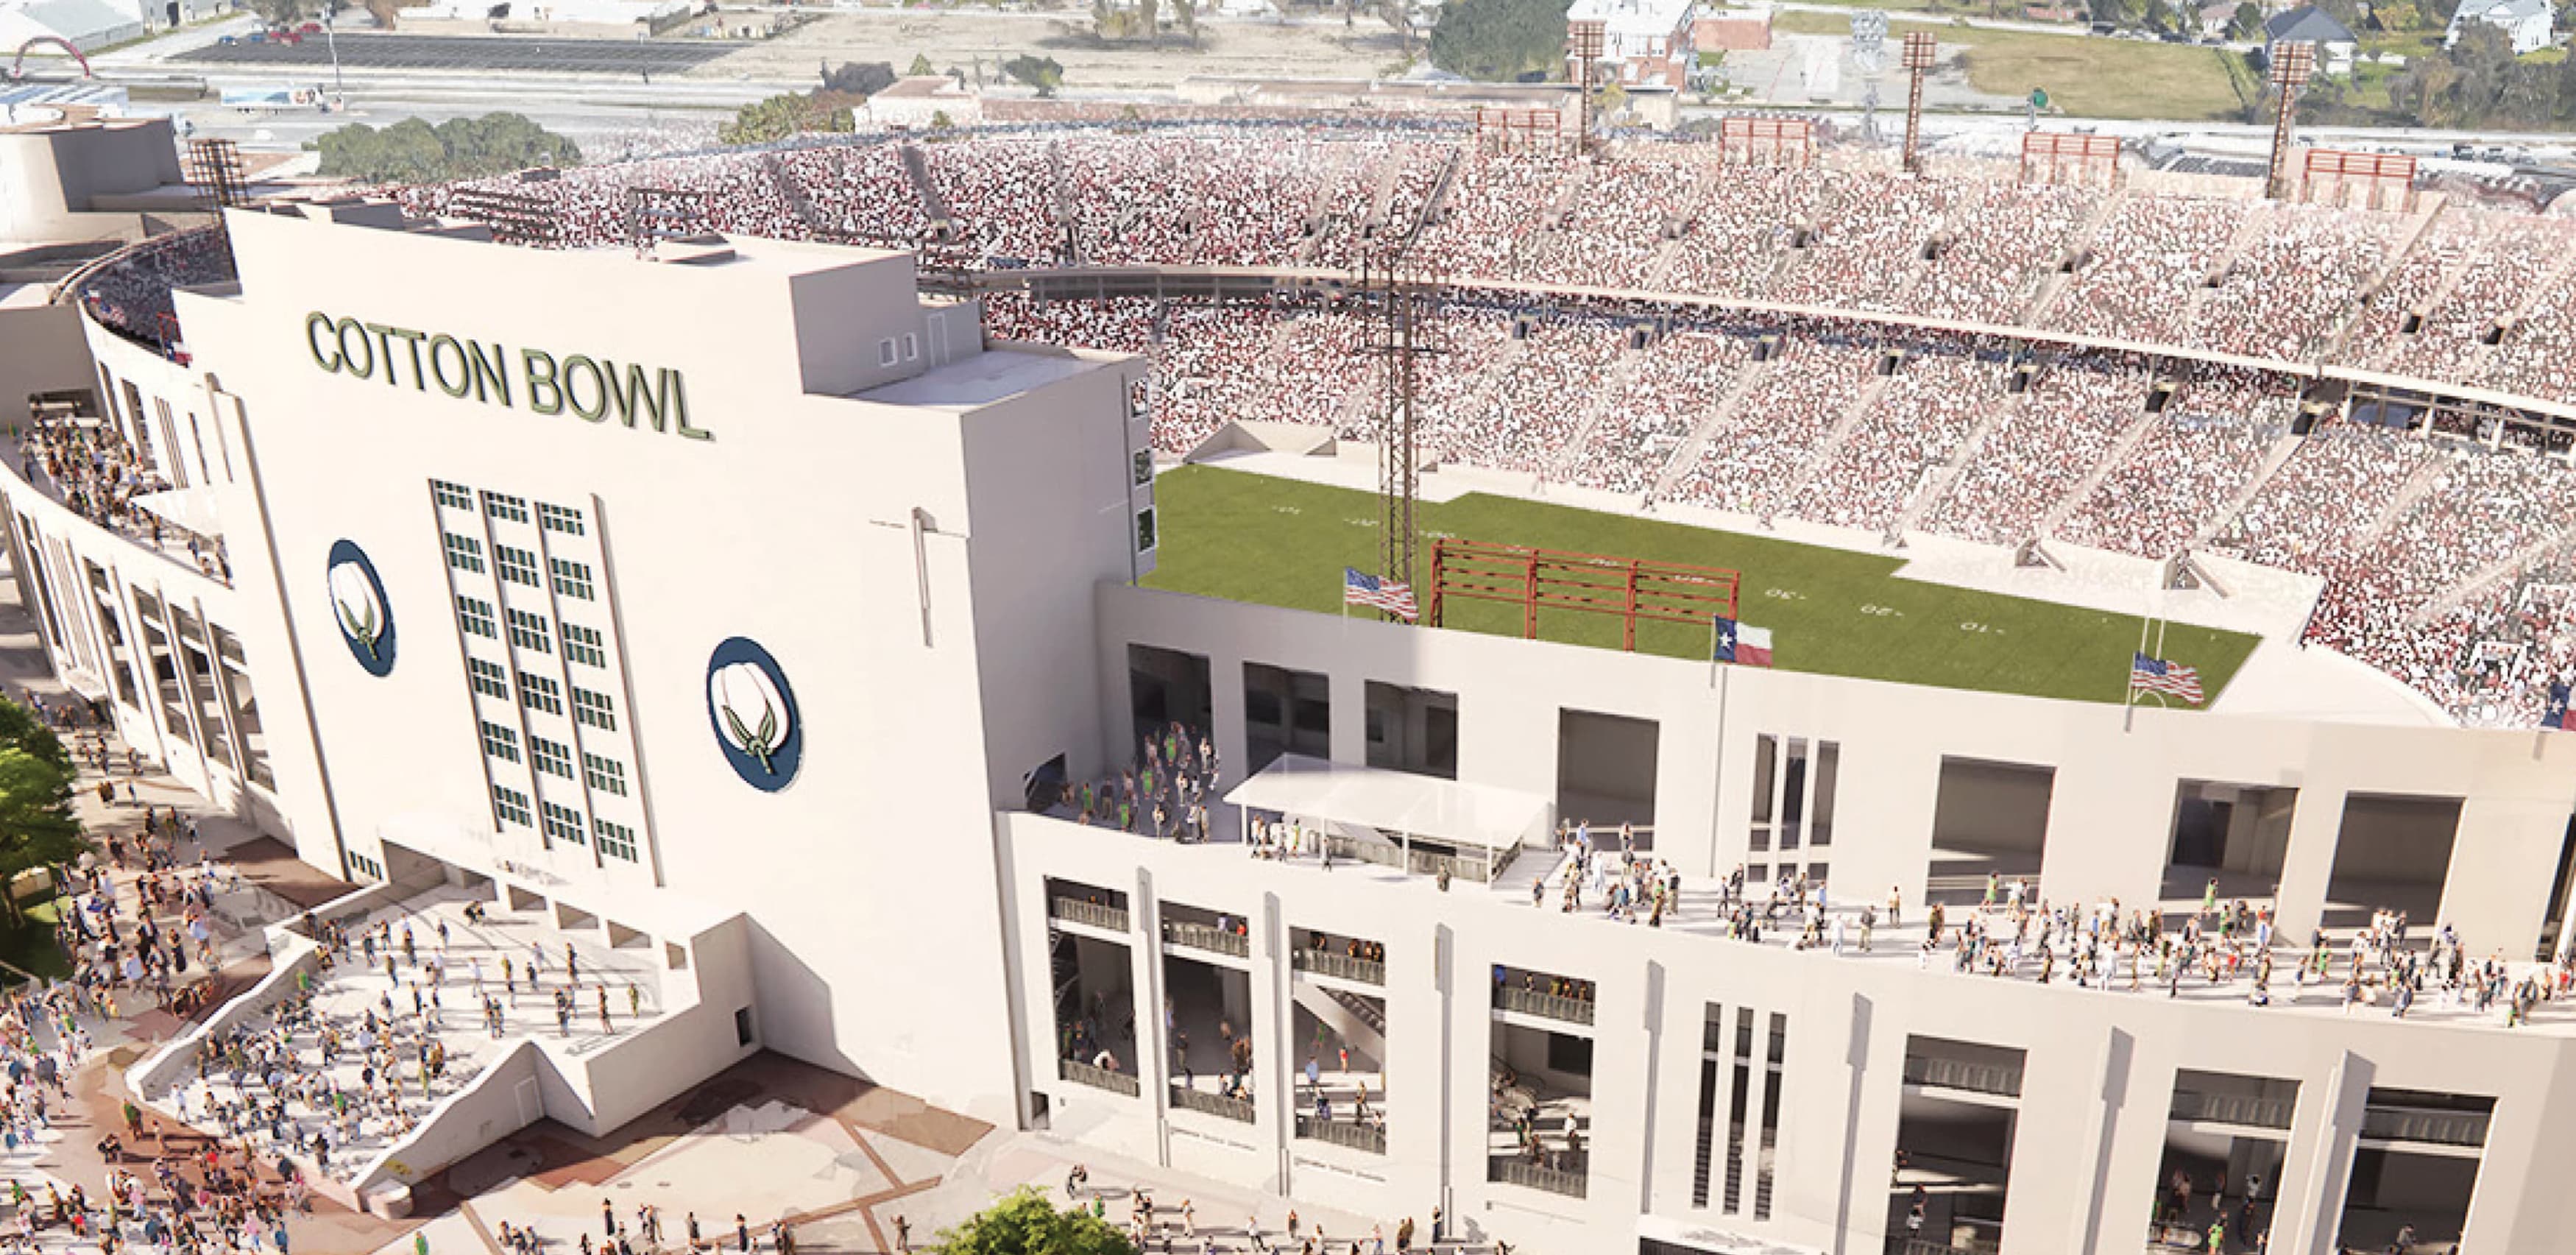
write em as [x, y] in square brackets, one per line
[1256, 538]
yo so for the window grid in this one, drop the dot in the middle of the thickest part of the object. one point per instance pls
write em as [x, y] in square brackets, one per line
[539, 693]
[475, 616]
[563, 823]
[528, 631]
[517, 565]
[585, 646]
[572, 579]
[500, 742]
[555, 518]
[595, 709]
[509, 806]
[551, 757]
[605, 774]
[491, 679]
[453, 496]
[615, 840]
[505, 507]
[464, 553]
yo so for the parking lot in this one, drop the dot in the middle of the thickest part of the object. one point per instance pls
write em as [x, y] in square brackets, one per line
[466, 52]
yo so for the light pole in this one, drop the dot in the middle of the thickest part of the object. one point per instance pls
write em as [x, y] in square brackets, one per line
[330, 10]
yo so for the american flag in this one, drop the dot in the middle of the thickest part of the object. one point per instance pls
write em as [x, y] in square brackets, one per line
[1362, 589]
[2155, 675]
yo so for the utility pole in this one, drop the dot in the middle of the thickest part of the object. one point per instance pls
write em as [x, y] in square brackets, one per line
[1584, 40]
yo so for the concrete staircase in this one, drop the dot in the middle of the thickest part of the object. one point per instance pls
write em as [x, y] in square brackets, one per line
[1718, 415]
[2273, 459]
[2044, 301]
[1827, 445]
[2112, 459]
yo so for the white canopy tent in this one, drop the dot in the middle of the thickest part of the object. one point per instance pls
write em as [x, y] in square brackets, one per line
[1421, 823]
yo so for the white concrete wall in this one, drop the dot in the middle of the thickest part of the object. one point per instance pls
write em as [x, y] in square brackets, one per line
[2111, 803]
[2099, 1071]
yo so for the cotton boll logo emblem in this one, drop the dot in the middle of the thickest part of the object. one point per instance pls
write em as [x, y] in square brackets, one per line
[754, 714]
[359, 608]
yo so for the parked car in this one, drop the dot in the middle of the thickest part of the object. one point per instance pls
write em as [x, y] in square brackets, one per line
[256, 37]
[289, 38]
[309, 28]
[228, 41]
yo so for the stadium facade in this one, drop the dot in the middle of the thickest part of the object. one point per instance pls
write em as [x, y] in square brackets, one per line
[737, 602]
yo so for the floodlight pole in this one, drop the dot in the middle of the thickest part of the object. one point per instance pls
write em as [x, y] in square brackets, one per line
[330, 11]
[2292, 64]
[1919, 51]
[1584, 41]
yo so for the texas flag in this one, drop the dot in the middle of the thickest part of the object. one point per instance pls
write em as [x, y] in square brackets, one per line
[2555, 715]
[1743, 643]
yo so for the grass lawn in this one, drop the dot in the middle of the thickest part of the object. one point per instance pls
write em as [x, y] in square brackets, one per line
[1256, 538]
[2086, 76]
[30, 946]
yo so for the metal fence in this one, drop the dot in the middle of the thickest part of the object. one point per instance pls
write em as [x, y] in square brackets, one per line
[2261, 1113]
[1097, 1078]
[1553, 1006]
[1207, 937]
[2441, 1128]
[1238, 1109]
[1977, 1078]
[1110, 917]
[1325, 962]
[1516, 1172]
[1349, 1133]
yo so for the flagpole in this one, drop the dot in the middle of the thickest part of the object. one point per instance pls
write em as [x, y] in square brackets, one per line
[2129, 688]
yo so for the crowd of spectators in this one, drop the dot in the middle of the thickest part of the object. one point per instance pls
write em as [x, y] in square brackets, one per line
[1752, 457]
[1626, 397]
[1922, 418]
[2187, 468]
[131, 293]
[2144, 267]
[1671, 386]
[2039, 450]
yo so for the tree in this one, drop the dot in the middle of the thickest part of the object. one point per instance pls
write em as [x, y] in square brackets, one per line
[1500, 40]
[857, 79]
[36, 824]
[1025, 1223]
[1041, 73]
[2248, 22]
[778, 117]
[413, 151]
[1398, 16]
[280, 12]
[921, 65]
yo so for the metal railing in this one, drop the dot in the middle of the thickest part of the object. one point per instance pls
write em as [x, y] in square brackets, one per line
[1325, 962]
[1349, 1133]
[1207, 937]
[2440, 1128]
[1553, 1006]
[2261, 1113]
[1077, 911]
[1098, 1078]
[1517, 1172]
[1977, 1078]
[1377, 852]
[1237, 1109]
[1918, 1246]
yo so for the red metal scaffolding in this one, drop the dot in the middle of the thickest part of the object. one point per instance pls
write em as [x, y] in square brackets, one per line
[1633, 589]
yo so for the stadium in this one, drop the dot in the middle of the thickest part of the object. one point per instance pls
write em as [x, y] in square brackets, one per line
[704, 556]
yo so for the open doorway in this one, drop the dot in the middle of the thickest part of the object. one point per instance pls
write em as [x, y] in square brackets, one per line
[2414, 1171]
[1285, 712]
[1166, 687]
[1412, 729]
[2392, 854]
[1991, 819]
[1954, 1144]
[2228, 841]
[1540, 1128]
[2227, 1139]
[1605, 769]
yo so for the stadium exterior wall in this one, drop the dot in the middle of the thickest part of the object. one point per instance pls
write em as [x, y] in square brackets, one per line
[2110, 815]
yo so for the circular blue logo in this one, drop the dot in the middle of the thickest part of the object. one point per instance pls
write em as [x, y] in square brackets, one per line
[754, 713]
[358, 605]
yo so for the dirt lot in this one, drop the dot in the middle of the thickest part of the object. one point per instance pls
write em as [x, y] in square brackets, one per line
[962, 37]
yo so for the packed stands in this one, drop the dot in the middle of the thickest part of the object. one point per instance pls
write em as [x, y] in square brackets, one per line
[2439, 547]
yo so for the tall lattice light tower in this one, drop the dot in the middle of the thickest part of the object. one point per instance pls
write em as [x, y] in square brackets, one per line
[2292, 65]
[1919, 50]
[1584, 41]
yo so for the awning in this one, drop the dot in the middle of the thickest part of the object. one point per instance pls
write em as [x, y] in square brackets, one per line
[1464, 815]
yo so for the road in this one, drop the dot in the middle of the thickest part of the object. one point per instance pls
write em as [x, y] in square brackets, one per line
[490, 53]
